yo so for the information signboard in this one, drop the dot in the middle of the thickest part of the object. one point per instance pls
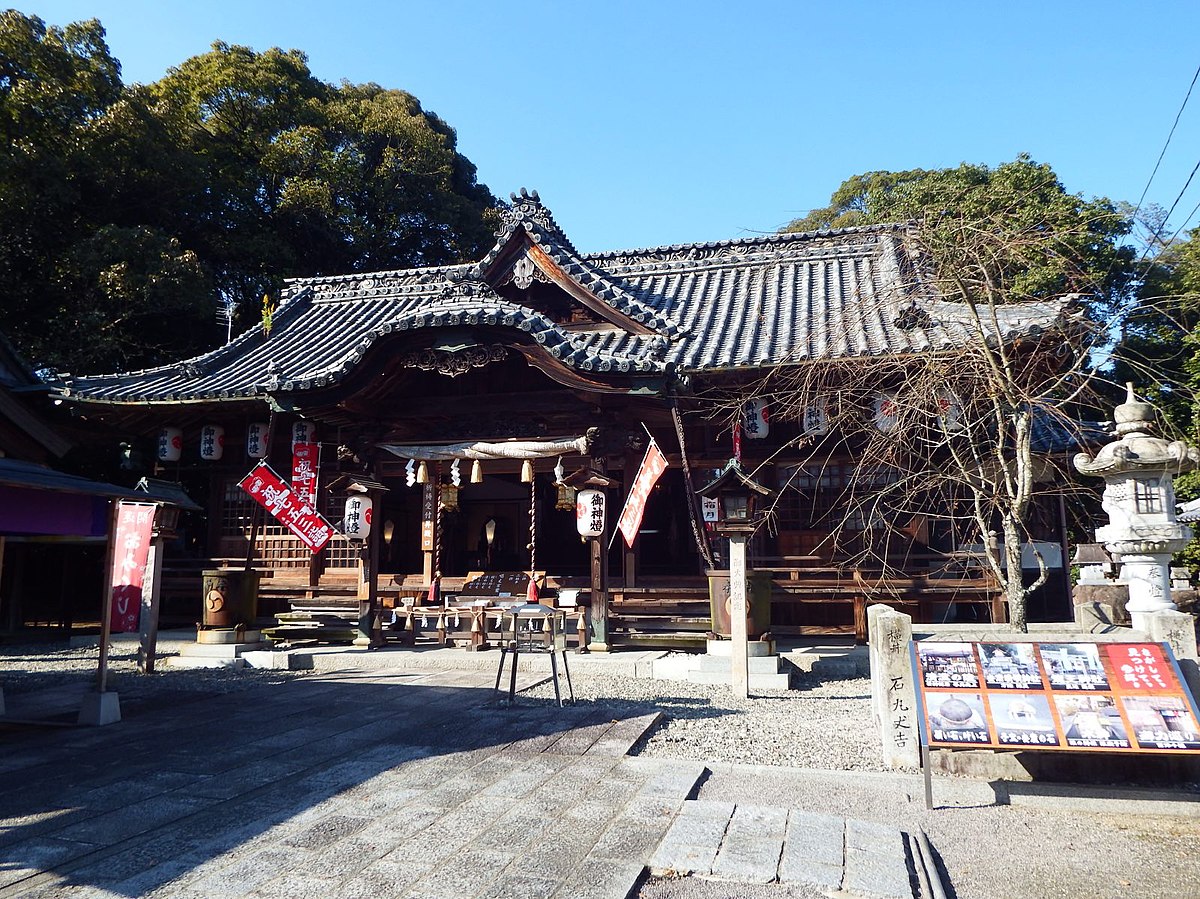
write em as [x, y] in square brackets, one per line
[277, 496]
[1110, 697]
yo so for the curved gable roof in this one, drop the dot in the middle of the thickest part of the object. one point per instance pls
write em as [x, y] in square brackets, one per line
[724, 305]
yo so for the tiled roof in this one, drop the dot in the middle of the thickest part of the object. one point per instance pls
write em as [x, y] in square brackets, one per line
[732, 304]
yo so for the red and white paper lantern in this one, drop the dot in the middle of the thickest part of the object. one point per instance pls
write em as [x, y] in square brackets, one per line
[356, 524]
[256, 440]
[212, 443]
[886, 411]
[170, 444]
[589, 513]
[304, 432]
[756, 422]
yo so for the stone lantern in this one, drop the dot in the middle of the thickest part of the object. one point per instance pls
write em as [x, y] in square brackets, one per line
[1138, 470]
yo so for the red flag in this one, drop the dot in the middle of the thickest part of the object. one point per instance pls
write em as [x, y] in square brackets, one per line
[653, 465]
[131, 551]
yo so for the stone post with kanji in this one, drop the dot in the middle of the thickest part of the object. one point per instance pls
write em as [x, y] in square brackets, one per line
[1139, 497]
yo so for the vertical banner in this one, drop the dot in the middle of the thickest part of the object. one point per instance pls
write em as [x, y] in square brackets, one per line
[131, 542]
[306, 459]
[428, 516]
[653, 465]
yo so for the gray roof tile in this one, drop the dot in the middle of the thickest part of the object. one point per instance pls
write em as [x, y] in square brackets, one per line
[730, 304]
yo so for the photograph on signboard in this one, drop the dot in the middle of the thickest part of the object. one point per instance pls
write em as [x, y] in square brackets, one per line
[1010, 666]
[1162, 722]
[956, 718]
[1073, 666]
[1141, 667]
[949, 665]
[1092, 722]
[1023, 719]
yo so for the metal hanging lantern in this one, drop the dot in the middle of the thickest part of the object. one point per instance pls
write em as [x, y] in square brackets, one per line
[449, 498]
[170, 444]
[356, 523]
[565, 499]
[589, 513]
[256, 440]
[212, 443]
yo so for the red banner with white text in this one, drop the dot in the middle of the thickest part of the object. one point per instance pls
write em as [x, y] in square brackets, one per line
[131, 551]
[306, 460]
[287, 506]
[652, 467]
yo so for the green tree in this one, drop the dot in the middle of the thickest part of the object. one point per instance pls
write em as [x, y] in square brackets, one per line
[128, 213]
[1054, 242]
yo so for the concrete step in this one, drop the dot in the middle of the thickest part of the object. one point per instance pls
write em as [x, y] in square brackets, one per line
[217, 650]
[756, 681]
[755, 664]
[205, 662]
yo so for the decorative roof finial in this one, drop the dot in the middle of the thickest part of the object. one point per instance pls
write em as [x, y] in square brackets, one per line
[1133, 416]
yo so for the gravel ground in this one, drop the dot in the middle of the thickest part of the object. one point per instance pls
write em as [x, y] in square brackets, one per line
[815, 725]
[36, 667]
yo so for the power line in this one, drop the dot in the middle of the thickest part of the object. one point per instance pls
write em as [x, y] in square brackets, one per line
[1174, 125]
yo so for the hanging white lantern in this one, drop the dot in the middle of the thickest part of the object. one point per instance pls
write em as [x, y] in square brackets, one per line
[212, 443]
[170, 444]
[589, 513]
[256, 440]
[304, 432]
[356, 524]
[949, 411]
[887, 411]
[755, 419]
[814, 418]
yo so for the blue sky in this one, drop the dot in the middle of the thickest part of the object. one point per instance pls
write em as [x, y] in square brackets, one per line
[644, 123]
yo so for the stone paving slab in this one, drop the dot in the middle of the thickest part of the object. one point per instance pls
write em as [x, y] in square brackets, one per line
[755, 844]
[372, 784]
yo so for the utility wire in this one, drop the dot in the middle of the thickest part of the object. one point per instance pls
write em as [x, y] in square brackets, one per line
[1158, 231]
[1174, 125]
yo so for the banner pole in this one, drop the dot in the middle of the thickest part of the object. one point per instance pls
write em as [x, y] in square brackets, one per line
[106, 606]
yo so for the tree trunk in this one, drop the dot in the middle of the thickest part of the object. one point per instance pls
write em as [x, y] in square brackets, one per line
[1014, 586]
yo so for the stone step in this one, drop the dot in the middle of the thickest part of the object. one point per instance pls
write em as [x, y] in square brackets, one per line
[831, 667]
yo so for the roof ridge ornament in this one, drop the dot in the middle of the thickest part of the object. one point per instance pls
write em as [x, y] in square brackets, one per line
[527, 207]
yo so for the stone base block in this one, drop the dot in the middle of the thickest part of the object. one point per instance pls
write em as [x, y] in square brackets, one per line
[99, 709]
[754, 648]
[228, 635]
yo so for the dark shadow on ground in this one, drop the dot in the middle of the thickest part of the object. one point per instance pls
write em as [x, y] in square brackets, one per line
[186, 778]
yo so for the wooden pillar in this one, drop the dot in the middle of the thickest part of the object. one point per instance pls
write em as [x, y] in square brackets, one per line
[370, 628]
[629, 554]
[598, 609]
[148, 648]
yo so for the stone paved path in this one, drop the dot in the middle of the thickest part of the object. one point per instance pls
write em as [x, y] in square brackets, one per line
[367, 784]
[382, 783]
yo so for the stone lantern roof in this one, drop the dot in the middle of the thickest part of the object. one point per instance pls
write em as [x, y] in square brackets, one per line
[1138, 450]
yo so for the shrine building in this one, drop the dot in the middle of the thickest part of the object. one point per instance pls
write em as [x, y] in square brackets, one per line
[464, 392]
